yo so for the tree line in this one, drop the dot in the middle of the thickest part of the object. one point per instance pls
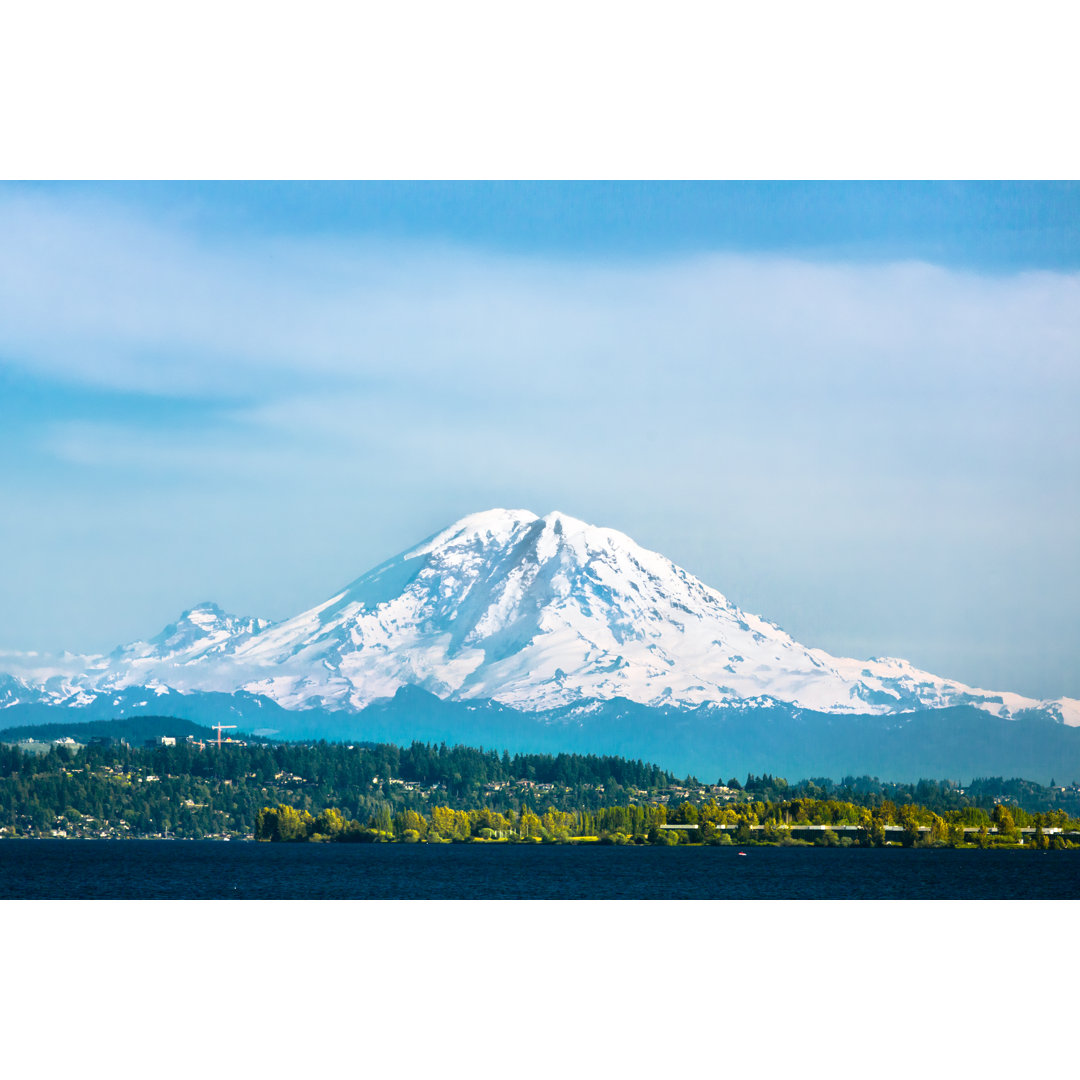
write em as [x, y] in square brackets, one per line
[182, 790]
[112, 789]
[707, 822]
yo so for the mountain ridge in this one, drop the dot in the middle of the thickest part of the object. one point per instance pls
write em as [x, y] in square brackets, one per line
[534, 613]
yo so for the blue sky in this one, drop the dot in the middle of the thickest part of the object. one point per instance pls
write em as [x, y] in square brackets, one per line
[849, 407]
[984, 226]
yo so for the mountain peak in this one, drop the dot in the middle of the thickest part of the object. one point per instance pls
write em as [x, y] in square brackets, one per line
[531, 612]
[204, 628]
[486, 527]
[203, 613]
[541, 612]
[506, 528]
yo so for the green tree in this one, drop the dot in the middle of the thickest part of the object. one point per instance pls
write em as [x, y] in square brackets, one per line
[1003, 819]
[329, 823]
[406, 821]
[875, 833]
[283, 823]
[382, 819]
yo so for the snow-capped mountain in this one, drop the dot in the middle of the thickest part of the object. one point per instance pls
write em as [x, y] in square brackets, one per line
[535, 613]
[202, 631]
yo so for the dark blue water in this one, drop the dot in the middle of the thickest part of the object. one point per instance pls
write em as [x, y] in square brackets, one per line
[155, 869]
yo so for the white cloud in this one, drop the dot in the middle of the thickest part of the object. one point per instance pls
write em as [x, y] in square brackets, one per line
[126, 303]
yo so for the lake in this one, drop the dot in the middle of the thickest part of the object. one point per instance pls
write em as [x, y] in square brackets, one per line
[205, 869]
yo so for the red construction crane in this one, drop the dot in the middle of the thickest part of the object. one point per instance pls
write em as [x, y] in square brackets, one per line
[219, 728]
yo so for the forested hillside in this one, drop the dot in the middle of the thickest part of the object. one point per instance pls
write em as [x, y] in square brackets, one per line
[202, 790]
[197, 789]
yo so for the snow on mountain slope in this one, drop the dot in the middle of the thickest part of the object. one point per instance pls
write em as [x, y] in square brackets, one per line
[531, 612]
[203, 630]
